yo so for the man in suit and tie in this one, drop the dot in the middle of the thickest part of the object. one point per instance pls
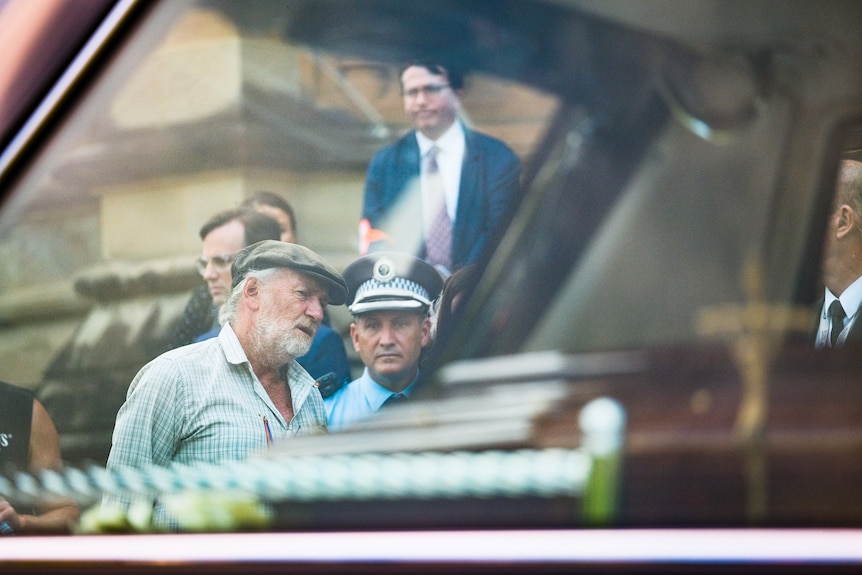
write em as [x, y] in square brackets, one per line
[842, 263]
[442, 191]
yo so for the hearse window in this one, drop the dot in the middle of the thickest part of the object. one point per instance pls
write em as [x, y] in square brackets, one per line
[208, 103]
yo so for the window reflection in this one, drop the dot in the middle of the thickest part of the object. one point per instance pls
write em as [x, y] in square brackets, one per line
[206, 105]
[634, 223]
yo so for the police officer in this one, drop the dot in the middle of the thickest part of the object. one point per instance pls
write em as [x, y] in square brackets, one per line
[390, 294]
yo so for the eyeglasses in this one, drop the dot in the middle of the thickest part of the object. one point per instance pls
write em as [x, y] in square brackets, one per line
[219, 262]
[427, 91]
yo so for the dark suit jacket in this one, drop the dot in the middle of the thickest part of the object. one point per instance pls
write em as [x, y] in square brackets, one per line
[490, 179]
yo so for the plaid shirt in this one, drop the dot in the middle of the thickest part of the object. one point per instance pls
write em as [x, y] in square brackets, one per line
[203, 403]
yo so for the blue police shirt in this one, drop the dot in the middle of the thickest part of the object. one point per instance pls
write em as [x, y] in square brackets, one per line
[357, 401]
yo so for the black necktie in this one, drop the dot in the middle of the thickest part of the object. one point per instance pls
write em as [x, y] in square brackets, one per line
[836, 321]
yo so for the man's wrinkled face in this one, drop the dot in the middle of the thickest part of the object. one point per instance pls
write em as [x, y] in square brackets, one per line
[219, 248]
[291, 310]
[429, 101]
[389, 344]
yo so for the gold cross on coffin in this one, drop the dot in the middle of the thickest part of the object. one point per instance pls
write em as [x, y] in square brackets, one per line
[755, 332]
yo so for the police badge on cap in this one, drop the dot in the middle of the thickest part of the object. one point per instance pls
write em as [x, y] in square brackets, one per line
[391, 281]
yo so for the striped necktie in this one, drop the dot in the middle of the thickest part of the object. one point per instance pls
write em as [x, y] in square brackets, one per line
[438, 242]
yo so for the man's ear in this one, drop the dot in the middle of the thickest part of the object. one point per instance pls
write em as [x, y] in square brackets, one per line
[353, 336]
[846, 220]
[251, 293]
[426, 332]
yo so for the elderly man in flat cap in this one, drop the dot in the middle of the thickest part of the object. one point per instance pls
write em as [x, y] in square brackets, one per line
[390, 295]
[227, 397]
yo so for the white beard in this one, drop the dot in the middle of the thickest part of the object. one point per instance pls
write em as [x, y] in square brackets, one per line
[270, 340]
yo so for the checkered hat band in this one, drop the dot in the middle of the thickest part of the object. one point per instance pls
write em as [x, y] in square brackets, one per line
[397, 288]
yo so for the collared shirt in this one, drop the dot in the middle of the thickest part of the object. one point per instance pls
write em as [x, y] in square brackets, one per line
[358, 400]
[202, 403]
[851, 300]
[450, 157]
[325, 355]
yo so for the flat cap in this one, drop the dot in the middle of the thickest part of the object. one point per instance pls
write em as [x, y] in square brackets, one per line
[391, 281]
[277, 254]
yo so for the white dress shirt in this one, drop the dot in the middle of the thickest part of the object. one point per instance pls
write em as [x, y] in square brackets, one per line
[450, 158]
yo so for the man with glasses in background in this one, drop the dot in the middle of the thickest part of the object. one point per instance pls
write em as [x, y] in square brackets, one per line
[223, 235]
[442, 191]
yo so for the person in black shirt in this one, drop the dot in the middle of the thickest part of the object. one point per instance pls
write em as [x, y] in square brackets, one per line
[29, 442]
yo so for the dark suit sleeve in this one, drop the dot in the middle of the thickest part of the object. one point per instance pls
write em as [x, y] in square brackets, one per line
[374, 232]
[504, 178]
[373, 205]
[490, 185]
[389, 205]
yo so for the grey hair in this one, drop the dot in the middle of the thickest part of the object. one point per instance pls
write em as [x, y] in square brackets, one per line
[228, 310]
[433, 314]
[850, 185]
